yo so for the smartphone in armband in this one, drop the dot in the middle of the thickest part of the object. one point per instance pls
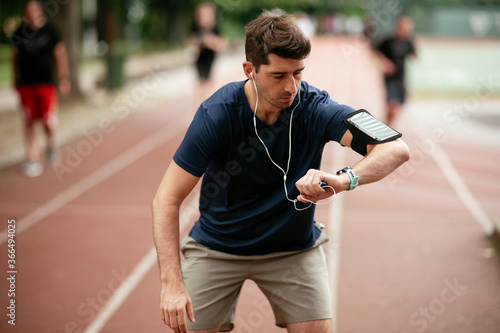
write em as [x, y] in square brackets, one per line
[368, 130]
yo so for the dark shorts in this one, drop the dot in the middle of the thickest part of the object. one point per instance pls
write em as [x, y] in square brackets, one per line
[396, 91]
[39, 102]
[204, 63]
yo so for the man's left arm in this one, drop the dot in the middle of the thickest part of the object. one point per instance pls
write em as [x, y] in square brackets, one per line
[379, 162]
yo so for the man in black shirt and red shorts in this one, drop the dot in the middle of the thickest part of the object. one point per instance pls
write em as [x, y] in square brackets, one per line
[39, 54]
[392, 53]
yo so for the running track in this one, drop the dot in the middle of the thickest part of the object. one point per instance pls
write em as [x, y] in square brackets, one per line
[408, 254]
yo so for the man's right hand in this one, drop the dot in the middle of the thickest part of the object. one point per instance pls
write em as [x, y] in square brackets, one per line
[175, 303]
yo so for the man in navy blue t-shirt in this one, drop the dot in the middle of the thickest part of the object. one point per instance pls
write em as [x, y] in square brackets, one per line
[258, 145]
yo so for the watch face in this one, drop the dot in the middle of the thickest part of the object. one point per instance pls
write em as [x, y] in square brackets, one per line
[343, 170]
[371, 126]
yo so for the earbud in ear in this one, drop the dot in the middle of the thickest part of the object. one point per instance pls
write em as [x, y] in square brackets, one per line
[251, 75]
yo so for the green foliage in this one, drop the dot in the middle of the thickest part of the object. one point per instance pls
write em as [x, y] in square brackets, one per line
[235, 14]
[153, 25]
[165, 24]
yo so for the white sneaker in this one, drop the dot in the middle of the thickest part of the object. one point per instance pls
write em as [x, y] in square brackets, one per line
[32, 169]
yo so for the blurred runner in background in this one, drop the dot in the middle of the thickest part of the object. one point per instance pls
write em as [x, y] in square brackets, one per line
[393, 52]
[205, 38]
[39, 55]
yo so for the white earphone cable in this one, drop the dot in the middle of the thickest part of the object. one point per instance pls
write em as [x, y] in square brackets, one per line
[285, 173]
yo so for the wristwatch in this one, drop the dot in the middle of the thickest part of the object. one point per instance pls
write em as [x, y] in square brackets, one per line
[352, 176]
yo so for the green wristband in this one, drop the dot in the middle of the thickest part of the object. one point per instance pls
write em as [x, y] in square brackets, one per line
[352, 176]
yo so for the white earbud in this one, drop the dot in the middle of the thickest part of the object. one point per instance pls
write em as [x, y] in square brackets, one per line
[251, 75]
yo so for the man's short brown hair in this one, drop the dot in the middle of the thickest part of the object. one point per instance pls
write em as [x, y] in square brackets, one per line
[277, 33]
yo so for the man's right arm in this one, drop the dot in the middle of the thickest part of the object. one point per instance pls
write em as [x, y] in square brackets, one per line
[175, 302]
[386, 65]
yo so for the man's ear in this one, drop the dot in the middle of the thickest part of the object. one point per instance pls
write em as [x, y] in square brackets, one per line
[248, 68]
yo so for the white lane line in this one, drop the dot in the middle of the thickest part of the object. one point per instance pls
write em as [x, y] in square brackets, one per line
[343, 88]
[122, 292]
[75, 209]
[187, 215]
[453, 177]
[120, 162]
[335, 212]
[458, 184]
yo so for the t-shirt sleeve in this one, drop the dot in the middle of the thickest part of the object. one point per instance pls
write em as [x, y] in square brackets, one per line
[16, 39]
[382, 47]
[199, 145]
[55, 35]
[328, 116]
[334, 119]
[412, 51]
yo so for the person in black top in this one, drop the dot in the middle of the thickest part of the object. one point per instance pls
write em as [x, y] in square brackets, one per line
[39, 64]
[393, 53]
[206, 39]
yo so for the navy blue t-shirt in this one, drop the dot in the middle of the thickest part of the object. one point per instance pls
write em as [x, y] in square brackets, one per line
[243, 207]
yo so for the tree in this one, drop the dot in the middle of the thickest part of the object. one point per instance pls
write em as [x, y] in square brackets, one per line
[68, 18]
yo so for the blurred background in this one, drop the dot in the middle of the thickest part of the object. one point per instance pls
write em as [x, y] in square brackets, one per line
[134, 55]
[103, 36]
[110, 41]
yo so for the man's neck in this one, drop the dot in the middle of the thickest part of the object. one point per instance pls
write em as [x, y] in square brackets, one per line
[37, 25]
[268, 116]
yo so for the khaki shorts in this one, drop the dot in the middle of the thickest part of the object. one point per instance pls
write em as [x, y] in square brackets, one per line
[295, 283]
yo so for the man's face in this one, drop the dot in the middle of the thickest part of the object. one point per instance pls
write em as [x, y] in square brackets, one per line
[206, 17]
[33, 13]
[278, 82]
[404, 28]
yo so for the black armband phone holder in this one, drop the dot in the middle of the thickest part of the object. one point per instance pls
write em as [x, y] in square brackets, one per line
[368, 130]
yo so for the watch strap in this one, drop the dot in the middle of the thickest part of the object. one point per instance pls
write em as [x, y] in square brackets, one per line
[352, 176]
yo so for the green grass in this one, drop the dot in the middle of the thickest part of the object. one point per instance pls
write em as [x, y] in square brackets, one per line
[5, 64]
[5, 74]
